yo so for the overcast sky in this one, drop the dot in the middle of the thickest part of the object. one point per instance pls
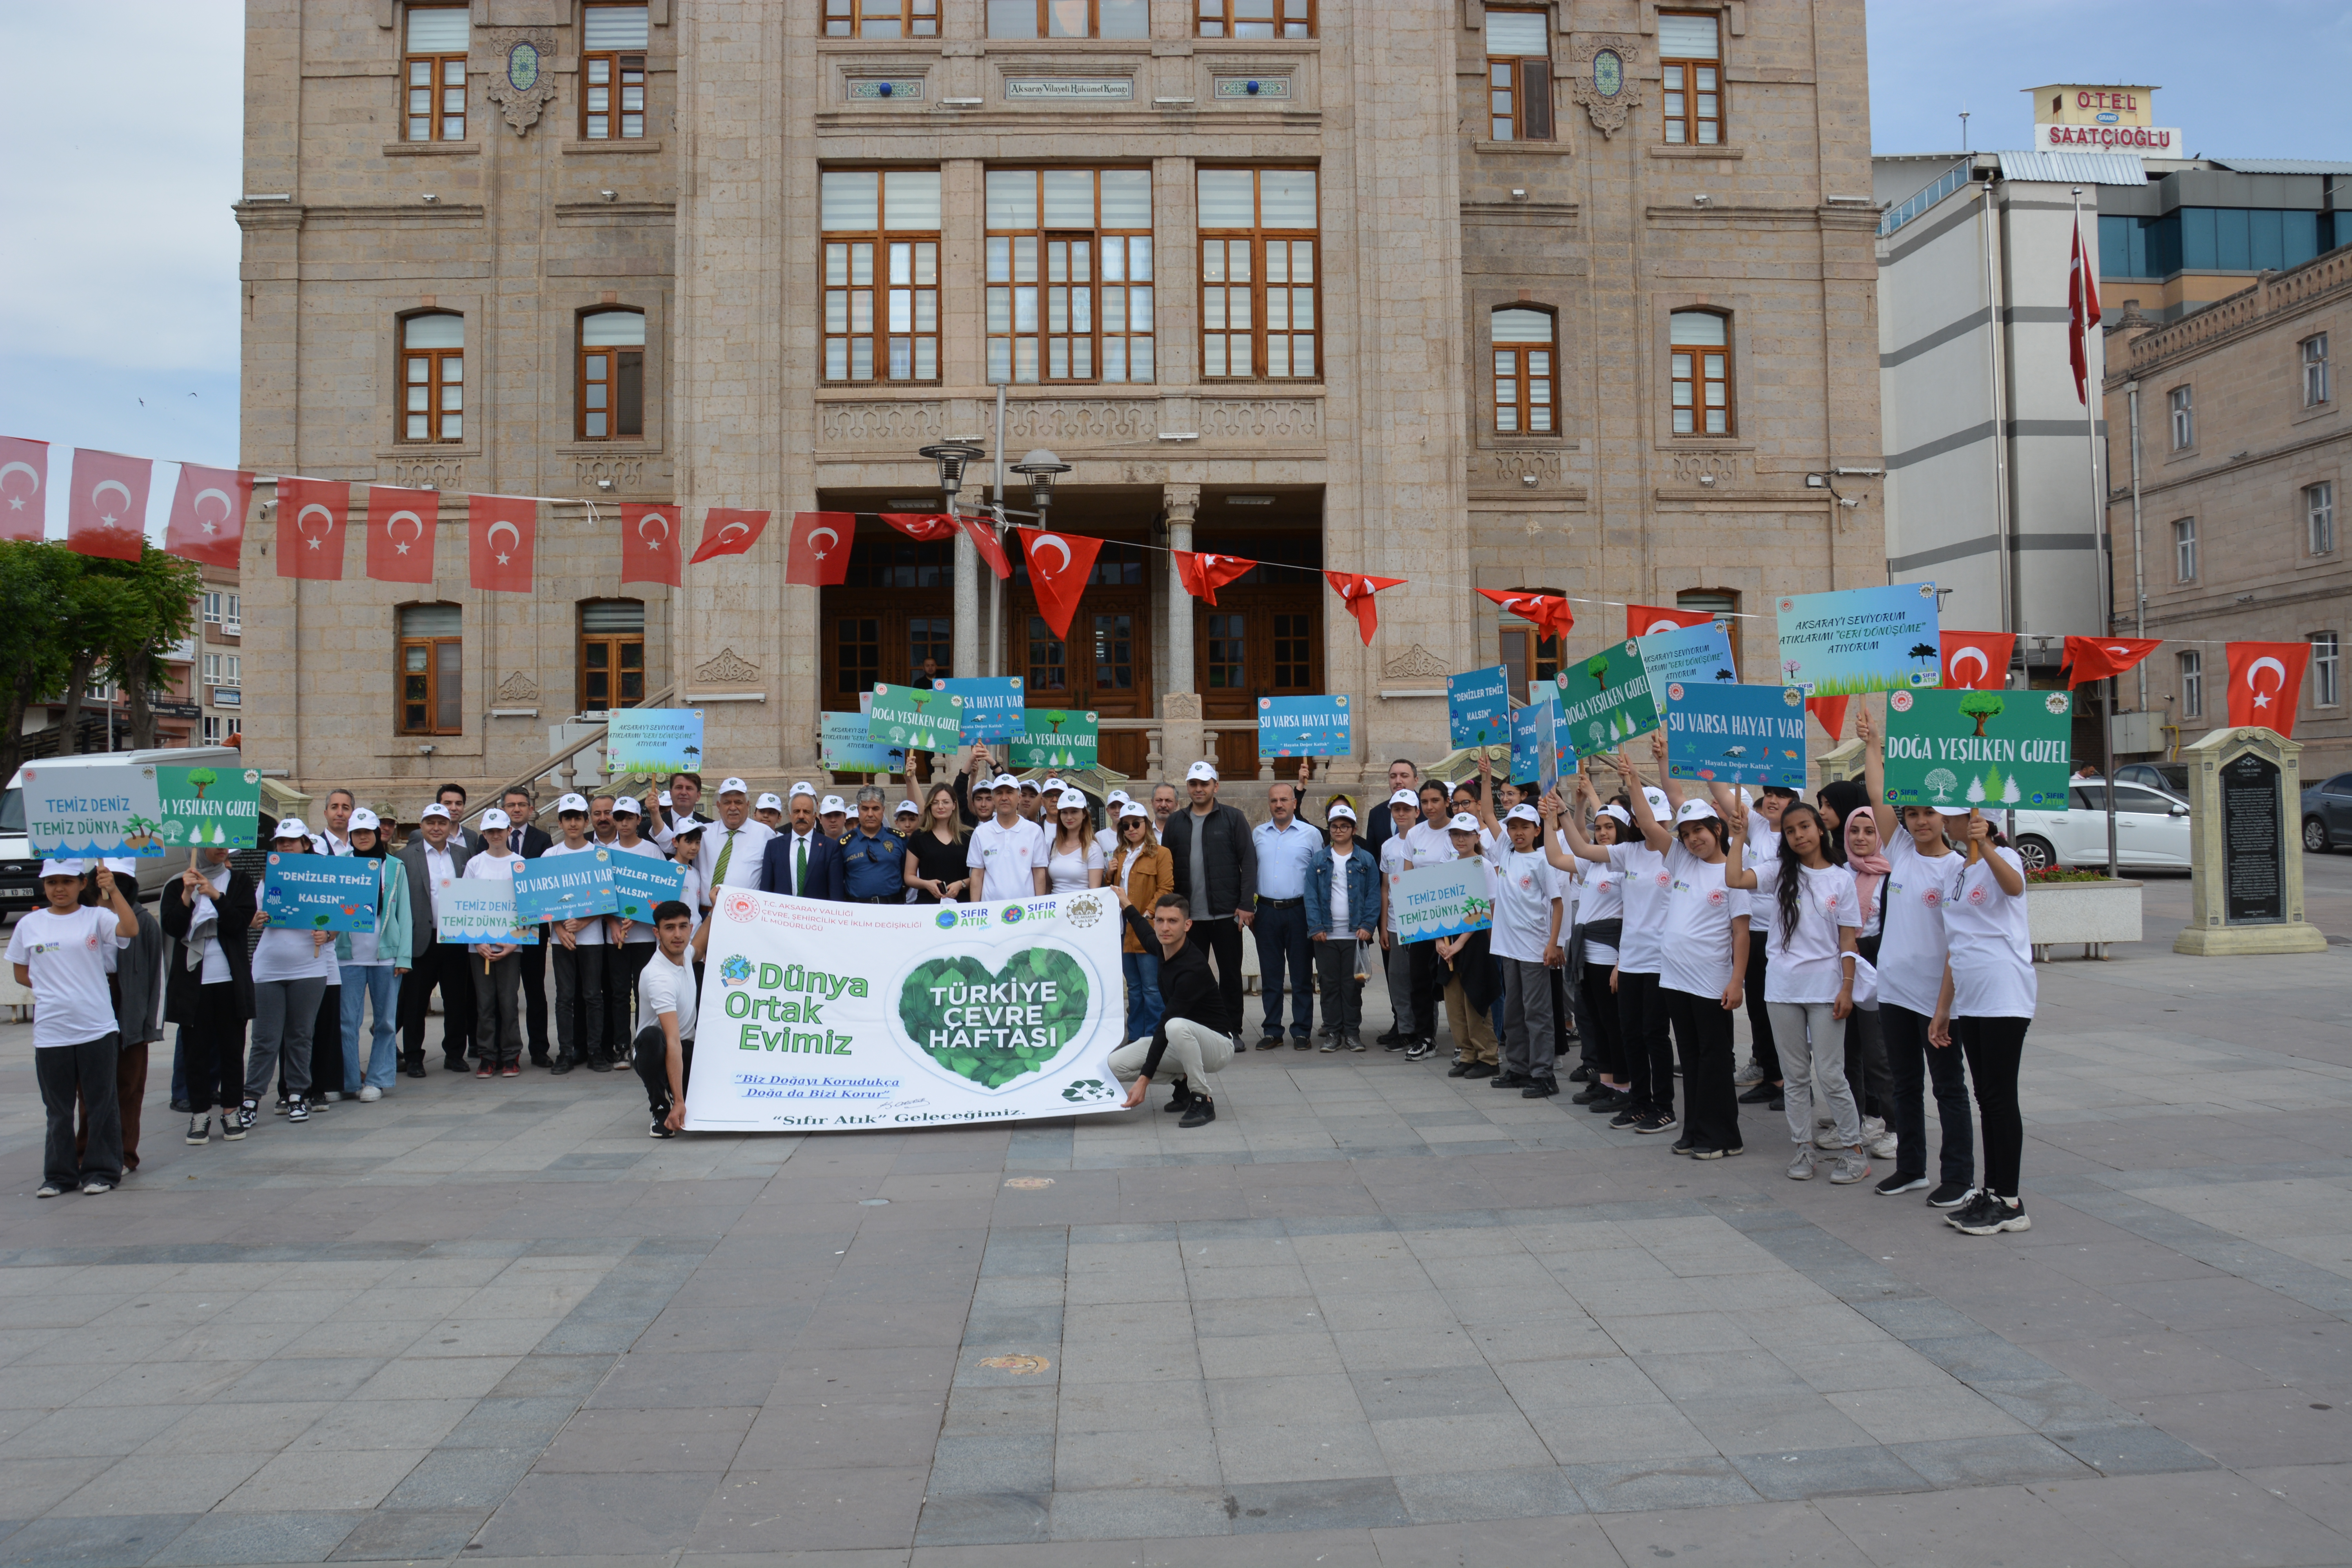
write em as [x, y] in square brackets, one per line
[122, 120]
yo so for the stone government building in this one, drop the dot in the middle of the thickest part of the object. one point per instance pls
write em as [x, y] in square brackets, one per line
[1543, 296]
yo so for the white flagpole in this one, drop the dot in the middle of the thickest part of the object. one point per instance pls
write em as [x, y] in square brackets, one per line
[2079, 319]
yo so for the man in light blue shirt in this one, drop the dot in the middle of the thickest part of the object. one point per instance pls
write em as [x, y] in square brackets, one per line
[1282, 848]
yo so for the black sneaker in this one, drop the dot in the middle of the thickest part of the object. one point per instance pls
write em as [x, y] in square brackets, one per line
[285, 1104]
[1589, 1092]
[1503, 1080]
[1182, 1100]
[200, 1130]
[1899, 1183]
[1610, 1104]
[1780, 1101]
[1391, 1039]
[1481, 1069]
[1705, 1152]
[1683, 1145]
[1760, 1094]
[1993, 1216]
[1203, 1111]
[1460, 1068]
[1425, 1046]
[1582, 1074]
[1269, 1043]
[1627, 1117]
[1961, 1218]
[1951, 1195]
[297, 1109]
[661, 1128]
[1657, 1122]
[1540, 1088]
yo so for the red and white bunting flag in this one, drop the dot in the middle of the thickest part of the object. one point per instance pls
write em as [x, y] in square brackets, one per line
[1648, 620]
[818, 556]
[927, 528]
[106, 513]
[1202, 574]
[1977, 661]
[649, 547]
[23, 475]
[2096, 658]
[400, 524]
[992, 549]
[729, 531]
[208, 510]
[2266, 683]
[2082, 315]
[1059, 565]
[1830, 711]
[313, 515]
[501, 535]
[1550, 614]
[1357, 590]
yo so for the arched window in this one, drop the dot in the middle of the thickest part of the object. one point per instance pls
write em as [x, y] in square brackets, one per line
[1523, 371]
[433, 377]
[1700, 341]
[612, 375]
[432, 670]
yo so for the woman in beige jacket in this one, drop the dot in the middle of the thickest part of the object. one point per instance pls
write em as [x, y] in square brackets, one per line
[1140, 871]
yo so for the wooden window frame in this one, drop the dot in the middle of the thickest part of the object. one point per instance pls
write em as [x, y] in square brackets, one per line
[436, 668]
[435, 383]
[1523, 374]
[2191, 665]
[2327, 669]
[2184, 550]
[837, 285]
[911, 18]
[1519, 87]
[1258, 236]
[1001, 276]
[1215, 20]
[1699, 379]
[2319, 517]
[1689, 121]
[2312, 353]
[614, 379]
[1530, 657]
[617, 66]
[437, 69]
[617, 667]
[1045, 9]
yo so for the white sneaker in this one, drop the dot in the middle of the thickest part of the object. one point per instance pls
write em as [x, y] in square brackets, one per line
[1872, 1129]
[370, 1094]
[331, 1094]
[1883, 1146]
[1801, 1169]
[1826, 1138]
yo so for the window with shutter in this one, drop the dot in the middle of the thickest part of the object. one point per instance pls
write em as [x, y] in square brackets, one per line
[1518, 76]
[1690, 67]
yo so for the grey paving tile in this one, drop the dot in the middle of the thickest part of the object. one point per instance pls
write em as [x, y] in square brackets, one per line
[405, 1535]
[1990, 1461]
[2128, 1450]
[598, 1515]
[462, 1480]
[769, 1515]
[1659, 1484]
[1171, 1455]
[1132, 1513]
[230, 1538]
[1371, 1503]
[984, 1519]
[1444, 1391]
[99, 1543]
[1826, 1472]
[1539, 1492]
[1983, 1358]
[511, 1424]
[998, 1463]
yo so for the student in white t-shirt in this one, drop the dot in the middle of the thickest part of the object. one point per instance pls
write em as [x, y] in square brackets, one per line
[1986, 1004]
[62, 953]
[1008, 849]
[1395, 860]
[497, 984]
[1599, 926]
[1645, 1045]
[1809, 979]
[662, 1045]
[291, 968]
[1525, 937]
[633, 939]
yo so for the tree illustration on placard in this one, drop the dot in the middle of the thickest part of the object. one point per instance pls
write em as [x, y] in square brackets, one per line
[1982, 706]
[1943, 781]
[201, 780]
[1975, 792]
[1992, 783]
[139, 832]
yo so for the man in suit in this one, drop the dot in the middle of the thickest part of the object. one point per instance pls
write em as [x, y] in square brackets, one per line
[801, 860]
[530, 842]
[732, 847]
[432, 857]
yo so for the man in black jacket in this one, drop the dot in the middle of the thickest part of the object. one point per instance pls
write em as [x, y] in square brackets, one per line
[207, 911]
[530, 842]
[1216, 872]
[1194, 1027]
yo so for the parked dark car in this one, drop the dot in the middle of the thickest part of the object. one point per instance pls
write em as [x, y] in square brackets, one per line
[2327, 815]
[2172, 777]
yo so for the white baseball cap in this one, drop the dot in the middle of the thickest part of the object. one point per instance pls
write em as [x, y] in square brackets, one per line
[802, 788]
[1953, 810]
[494, 817]
[1405, 797]
[575, 805]
[629, 803]
[663, 797]
[1619, 812]
[767, 803]
[294, 827]
[437, 809]
[363, 817]
[1657, 799]
[1463, 823]
[1031, 784]
[1696, 811]
[1523, 813]
[124, 866]
[832, 804]
[1052, 784]
[733, 786]
[1133, 808]
[1200, 770]
[1071, 800]
[1340, 808]
[1116, 797]
[691, 827]
[905, 808]
[1004, 781]
[61, 868]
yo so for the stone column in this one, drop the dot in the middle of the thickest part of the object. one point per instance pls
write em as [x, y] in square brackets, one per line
[1179, 705]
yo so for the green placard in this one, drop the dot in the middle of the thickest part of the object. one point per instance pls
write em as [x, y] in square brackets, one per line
[208, 806]
[1058, 738]
[908, 719]
[1992, 749]
[1606, 699]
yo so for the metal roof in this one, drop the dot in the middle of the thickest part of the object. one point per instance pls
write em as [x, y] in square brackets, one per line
[2282, 166]
[2074, 168]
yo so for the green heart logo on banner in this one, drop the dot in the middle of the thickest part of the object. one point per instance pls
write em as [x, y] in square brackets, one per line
[993, 1027]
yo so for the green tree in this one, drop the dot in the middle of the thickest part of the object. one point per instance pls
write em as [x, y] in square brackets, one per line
[35, 589]
[1982, 706]
[156, 596]
[68, 619]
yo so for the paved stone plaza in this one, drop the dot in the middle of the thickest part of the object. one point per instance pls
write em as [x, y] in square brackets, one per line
[1372, 1315]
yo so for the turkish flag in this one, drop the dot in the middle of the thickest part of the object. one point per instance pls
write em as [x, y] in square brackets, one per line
[927, 528]
[729, 531]
[208, 515]
[24, 469]
[1202, 574]
[1058, 583]
[649, 552]
[990, 548]
[1977, 661]
[2082, 315]
[1830, 711]
[1359, 590]
[312, 517]
[1548, 612]
[501, 533]
[400, 524]
[107, 512]
[818, 556]
[1646, 620]
[2266, 683]
[2096, 658]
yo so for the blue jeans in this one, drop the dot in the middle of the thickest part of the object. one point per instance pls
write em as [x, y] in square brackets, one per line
[1142, 993]
[362, 982]
[1282, 944]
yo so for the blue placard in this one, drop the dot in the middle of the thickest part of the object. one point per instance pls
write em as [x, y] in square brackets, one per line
[640, 881]
[655, 741]
[1699, 654]
[1736, 734]
[565, 887]
[845, 746]
[1478, 707]
[1305, 727]
[992, 706]
[1533, 727]
[319, 892]
[1861, 639]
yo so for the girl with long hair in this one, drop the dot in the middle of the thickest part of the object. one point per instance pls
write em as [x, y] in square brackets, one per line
[1076, 861]
[1986, 1004]
[1139, 871]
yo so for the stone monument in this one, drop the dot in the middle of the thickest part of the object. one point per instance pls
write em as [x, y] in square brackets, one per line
[2246, 847]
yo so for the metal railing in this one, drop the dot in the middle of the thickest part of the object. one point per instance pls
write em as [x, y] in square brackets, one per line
[1951, 180]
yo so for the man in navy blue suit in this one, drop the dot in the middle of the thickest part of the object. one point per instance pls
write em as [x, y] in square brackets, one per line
[800, 860]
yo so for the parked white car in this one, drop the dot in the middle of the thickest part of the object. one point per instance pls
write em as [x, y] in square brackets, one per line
[2151, 829]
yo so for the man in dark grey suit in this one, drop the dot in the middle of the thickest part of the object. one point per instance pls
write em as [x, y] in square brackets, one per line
[530, 842]
[433, 856]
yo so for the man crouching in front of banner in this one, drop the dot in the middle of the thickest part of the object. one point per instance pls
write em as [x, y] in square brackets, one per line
[1193, 1028]
[662, 1048]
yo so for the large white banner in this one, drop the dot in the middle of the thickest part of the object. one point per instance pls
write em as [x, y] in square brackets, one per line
[817, 1017]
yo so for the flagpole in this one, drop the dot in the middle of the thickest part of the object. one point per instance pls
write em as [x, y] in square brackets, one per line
[2084, 314]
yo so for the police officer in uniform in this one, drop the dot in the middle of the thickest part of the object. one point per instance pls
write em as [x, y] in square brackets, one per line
[874, 858]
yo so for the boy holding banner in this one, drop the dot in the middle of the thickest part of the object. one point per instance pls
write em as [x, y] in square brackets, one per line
[497, 1027]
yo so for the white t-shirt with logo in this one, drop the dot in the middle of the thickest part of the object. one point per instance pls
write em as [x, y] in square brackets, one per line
[70, 957]
[591, 929]
[1992, 958]
[1600, 897]
[1526, 886]
[1912, 951]
[1761, 850]
[1396, 860]
[1808, 967]
[667, 987]
[1005, 857]
[1696, 931]
[1642, 881]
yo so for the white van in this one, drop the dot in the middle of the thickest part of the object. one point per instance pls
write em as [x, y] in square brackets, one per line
[20, 868]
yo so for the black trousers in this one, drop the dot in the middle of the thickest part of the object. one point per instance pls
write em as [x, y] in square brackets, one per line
[1602, 1039]
[1224, 939]
[1865, 1065]
[1283, 949]
[1711, 1105]
[1641, 1036]
[84, 1072]
[621, 970]
[1995, 1047]
[1913, 1062]
[649, 1053]
[444, 965]
[534, 994]
[1759, 1021]
[579, 1001]
[1428, 986]
[213, 1044]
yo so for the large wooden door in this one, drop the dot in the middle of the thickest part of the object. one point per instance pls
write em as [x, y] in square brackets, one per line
[895, 610]
[1259, 640]
[1105, 664]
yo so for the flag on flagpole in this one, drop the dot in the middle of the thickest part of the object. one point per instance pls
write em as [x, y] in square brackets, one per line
[312, 517]
[24, 472]
[400, 524]
[208, 522]
[818, 556]
[649, 552]
[2266, 683]
[992, 549]
[107, 512]
[2096, 658]
[501, 534]
[1202, 574]
[1060, 583]
[729, 531]
[2082, 315]
[1977, 661]
[1359, 592]
[1548, 613]
[1644, 620]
